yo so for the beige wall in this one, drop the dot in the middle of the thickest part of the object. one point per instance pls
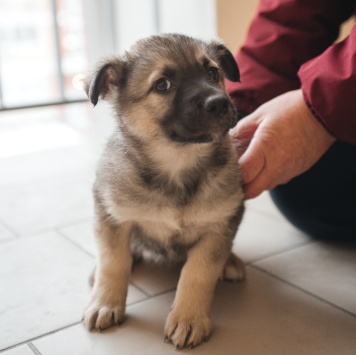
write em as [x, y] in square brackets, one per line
[234, 17]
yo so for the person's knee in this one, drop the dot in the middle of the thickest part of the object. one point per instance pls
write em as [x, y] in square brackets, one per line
[314, 217]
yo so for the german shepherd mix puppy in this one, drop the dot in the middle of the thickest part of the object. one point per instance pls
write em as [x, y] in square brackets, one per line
[168, 184]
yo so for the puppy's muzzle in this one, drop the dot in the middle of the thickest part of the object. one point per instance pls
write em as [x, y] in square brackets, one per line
[216, 105]
[206, 118]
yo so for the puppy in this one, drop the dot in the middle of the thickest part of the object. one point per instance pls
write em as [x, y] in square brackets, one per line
[168, 184]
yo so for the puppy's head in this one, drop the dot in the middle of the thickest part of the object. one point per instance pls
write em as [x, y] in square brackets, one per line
[171, 85]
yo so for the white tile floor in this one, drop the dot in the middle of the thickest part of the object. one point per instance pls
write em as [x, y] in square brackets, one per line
[299, 296]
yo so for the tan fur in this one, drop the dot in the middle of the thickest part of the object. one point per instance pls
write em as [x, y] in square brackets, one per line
[160, 197]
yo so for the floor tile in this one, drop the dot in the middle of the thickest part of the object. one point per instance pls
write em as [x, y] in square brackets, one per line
[37, 207]
[35, 137]
[49, 164]
[43, 114]
[19, 350]
[141, 333]
[264, 204]
[151, 278]
[260, 236]
[324, 269]
[43, 286]
[261, 316]
[82, 234]
[44, 278]
[266, 316]
[5, 233]
[102, 124]
[155, 279]
[90, 127]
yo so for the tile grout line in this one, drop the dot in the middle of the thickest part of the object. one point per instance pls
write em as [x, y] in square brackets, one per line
[149, 297]
[55, 227]
[140, 289]
[33, 348]
[74, 223]
[163, 292]
[62, 235]
[9, 240]
[29, 342]
[283, 251]
[23, 237]
[10, 230]
[304, 291]
[28, 237]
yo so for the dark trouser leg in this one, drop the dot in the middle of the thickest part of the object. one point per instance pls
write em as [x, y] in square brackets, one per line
[322, 201]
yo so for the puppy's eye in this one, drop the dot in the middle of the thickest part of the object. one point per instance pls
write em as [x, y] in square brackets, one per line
[162, 85]
[213, 74]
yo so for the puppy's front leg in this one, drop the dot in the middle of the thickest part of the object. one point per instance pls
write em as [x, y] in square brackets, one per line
[108, 300]
[188, 323]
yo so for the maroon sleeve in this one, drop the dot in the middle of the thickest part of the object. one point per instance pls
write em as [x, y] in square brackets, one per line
[284, 34]
[329, 88]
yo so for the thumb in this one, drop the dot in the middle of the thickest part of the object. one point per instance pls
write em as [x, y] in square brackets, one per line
[244, 130]
[252, 162]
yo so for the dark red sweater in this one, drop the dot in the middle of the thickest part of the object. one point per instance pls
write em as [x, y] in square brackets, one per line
[290, 46]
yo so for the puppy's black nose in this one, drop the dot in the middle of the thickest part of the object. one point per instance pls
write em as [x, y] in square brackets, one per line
[217, 105]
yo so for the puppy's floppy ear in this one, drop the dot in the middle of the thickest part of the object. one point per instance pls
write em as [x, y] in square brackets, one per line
[110, 72]
[226, 60]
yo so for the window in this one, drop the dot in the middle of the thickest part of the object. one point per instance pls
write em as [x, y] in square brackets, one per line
[47, 46]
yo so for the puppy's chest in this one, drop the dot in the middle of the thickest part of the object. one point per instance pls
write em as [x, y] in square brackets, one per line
[182, 208]
[171, 225]
[183, 217]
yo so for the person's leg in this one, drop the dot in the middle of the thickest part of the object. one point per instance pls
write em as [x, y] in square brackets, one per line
[322, 201]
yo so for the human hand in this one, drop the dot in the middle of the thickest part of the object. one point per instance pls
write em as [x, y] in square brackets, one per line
[280, 140]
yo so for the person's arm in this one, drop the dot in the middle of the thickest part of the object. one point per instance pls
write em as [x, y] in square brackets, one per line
[329, 88]
[283, 35]
[291, 130]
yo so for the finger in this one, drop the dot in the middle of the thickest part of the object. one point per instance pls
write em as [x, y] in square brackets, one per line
[243, 132]
[245, 129]
[263, 182]
[250, 193]
[252, 162]
[253, 189]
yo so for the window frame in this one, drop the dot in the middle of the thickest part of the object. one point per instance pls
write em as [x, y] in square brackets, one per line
[110, 29]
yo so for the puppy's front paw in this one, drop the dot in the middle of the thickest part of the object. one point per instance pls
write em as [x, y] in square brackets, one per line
[234, 269]
[186, 331]
[101, 316]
